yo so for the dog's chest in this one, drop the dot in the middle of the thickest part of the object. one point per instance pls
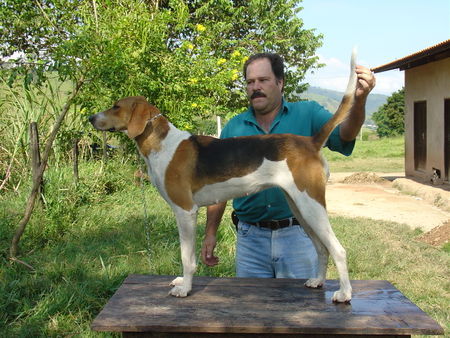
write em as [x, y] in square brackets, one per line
[158, 161]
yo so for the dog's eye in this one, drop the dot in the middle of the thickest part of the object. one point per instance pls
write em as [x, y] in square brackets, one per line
[115, 107]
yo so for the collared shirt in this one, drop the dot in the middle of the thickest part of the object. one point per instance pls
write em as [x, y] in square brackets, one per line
[302, 118]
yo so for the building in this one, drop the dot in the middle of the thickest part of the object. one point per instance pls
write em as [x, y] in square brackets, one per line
[427, 111]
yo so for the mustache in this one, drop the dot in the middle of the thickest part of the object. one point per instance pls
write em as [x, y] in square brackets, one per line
[257, 94]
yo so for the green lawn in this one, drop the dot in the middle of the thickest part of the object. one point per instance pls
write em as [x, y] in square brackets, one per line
[89, 238]
[379, 155]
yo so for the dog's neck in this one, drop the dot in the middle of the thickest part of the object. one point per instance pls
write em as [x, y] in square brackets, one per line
[156, 131]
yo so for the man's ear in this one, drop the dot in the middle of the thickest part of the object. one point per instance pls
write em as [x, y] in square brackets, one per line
[138, 120]
[281, 84]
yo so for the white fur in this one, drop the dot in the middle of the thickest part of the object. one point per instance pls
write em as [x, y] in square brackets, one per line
[258, 180]
[157, 161]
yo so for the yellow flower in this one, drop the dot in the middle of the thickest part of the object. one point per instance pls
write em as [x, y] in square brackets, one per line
[221, 61]
[194, 105]
[193, 80]
[245, 58]
[200, 28]
[234, 74]
[189, 45]
[236, 53]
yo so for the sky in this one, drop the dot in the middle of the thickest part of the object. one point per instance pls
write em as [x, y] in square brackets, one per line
[382, 31]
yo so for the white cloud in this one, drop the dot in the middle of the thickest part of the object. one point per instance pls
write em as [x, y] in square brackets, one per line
[389, 82]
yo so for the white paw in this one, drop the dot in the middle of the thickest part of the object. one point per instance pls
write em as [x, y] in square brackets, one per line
[341, 297]
[314, 283]
[177, 281]
[179, 291]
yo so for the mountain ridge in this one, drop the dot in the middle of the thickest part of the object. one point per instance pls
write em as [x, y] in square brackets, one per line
[330, 100]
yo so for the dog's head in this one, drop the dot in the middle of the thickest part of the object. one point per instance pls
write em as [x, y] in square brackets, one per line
[129, 115]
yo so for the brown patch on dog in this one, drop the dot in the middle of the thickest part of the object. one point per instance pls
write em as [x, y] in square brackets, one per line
[307, 168]
[179, 175]
[152, 136]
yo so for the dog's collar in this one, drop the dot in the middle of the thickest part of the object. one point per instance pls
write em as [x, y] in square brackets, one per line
[154, 118]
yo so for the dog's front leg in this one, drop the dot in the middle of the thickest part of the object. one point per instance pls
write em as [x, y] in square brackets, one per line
[186, 221]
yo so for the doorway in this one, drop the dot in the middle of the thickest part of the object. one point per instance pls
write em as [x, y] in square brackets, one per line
[420, 135]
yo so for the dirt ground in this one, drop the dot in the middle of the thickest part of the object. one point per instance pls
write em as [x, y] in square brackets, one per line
[392, 197]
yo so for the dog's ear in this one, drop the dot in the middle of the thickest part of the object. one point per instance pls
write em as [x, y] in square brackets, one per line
[138, 120]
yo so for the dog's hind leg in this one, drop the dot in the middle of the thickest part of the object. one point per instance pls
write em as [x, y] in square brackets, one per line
[186, 221]
[322, 252]
[316, 221]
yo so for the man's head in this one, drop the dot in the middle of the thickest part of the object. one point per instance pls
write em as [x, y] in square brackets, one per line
[264, 75]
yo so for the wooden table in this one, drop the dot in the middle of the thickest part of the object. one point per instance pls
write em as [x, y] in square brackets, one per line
[241, 307]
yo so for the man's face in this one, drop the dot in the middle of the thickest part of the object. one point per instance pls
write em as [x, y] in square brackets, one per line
[264, 90]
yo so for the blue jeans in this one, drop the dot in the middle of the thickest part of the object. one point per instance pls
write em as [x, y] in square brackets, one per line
[283, 253]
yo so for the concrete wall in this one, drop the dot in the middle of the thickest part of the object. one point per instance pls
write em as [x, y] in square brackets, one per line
[430, 83]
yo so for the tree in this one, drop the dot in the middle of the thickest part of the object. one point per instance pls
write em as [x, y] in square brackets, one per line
[390, 117]
[185, 56]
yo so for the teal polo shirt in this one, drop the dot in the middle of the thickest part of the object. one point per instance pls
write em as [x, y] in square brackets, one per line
[301, 118]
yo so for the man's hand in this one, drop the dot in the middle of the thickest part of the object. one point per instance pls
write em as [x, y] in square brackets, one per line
[366, 82]
[352, 125]
[214, 215]
[209, 244]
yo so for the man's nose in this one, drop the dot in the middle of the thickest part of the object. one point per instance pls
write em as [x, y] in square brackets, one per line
[256, 86]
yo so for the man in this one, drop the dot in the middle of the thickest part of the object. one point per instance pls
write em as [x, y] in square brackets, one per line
[270, 242]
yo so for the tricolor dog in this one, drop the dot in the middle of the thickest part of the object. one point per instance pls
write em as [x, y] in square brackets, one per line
[191, 171]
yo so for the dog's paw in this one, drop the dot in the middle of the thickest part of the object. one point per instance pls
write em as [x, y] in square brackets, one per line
[314, 283]
[341, 297]
[177, 281]
[179, 291]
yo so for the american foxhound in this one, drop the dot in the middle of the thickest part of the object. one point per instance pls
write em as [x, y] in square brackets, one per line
[191, 171]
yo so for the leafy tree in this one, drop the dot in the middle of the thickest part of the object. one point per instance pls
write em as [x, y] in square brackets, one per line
[185, 56]
[390, 117]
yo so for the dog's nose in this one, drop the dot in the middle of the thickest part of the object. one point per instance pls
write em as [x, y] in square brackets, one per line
[92, 118]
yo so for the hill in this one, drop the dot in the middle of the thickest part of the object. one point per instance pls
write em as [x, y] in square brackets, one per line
[330, 100]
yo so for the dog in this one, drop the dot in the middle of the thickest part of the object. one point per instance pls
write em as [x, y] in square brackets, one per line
[191, 171]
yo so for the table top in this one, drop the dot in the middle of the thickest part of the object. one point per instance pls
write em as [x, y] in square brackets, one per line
[250, 305]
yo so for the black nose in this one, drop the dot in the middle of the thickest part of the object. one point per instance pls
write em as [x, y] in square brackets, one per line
[92, 118]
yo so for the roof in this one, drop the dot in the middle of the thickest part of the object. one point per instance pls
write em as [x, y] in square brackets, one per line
[433, 53]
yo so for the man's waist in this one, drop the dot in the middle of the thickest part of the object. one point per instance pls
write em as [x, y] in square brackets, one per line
[269, 224]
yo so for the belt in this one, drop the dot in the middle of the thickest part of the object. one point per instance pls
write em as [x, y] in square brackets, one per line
[272, 224]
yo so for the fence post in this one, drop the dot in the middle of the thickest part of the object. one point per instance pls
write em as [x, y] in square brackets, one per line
[75, 153]
[36, 158]
[105, 151]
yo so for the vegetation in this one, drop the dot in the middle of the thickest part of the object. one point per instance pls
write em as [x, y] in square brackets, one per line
[87, 238]
[84, 238]
[390, 117]
[370, 154]
[184, 56]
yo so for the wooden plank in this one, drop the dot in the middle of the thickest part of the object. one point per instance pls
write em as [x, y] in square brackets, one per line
[262, 306]
[244, 335]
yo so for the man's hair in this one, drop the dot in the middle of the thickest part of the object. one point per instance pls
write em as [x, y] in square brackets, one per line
[276, 61]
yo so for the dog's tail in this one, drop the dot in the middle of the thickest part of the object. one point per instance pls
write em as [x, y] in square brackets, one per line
[341, 114]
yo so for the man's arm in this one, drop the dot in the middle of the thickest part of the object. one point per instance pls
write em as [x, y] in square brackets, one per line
[352, 125]
[214, 215]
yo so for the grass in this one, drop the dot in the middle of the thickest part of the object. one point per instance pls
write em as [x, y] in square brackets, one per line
[378, 155]
[88, 238]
